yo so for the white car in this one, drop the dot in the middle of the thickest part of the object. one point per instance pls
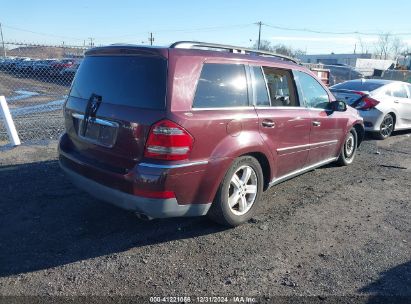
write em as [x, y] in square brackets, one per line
[385, 105]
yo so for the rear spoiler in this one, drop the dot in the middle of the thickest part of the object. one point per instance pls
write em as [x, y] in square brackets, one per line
[361, 95]
[125, 50]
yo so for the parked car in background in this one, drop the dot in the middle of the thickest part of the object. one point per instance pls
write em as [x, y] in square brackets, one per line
[198, 128]
[68, 73]
[59, 65]
[43, 67]
[15, 63]
[26, 67]
[385, 105]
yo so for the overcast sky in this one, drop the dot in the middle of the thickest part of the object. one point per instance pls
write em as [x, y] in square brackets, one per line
[313, 26]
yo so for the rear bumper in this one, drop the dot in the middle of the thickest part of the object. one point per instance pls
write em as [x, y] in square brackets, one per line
[155, 208]
[372, 119]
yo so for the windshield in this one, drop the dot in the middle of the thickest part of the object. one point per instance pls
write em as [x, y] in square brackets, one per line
[138, 81]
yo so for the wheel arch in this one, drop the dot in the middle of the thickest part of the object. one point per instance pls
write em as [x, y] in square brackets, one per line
[265, 166]
[359, 128]
[394, 117]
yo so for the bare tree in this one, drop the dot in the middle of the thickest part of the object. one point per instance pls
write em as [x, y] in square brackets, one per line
[265, 45]
[398, 47]
[383, 45]
[279, 49]
[363, 46]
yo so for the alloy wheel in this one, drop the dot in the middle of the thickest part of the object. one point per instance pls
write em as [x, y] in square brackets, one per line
[349, 145]
[242, 190]
[387, 126]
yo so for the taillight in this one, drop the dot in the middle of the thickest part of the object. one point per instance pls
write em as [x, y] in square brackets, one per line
[367, 103]
[168, 141]
[154, 194]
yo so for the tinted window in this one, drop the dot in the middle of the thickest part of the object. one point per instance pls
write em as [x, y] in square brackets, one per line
[399, 91]
[358, 86]
[125, 80]
[221, 85]
[313, 94]
[280, 86]
[260, 88]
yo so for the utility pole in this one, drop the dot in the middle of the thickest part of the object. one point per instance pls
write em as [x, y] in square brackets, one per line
[151, 39]
[2, 41]
[259, 34]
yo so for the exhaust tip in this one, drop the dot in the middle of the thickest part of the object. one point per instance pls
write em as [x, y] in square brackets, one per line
[142, 216]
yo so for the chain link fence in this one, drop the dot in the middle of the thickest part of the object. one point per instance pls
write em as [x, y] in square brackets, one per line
[35, 80]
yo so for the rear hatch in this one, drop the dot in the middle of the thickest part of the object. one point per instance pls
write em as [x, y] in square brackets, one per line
[117, 94]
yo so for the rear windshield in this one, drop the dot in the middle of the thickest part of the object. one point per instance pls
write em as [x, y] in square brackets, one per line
[358, 86]
[138, 81]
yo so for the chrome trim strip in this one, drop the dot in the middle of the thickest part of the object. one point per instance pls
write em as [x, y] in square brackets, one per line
[278, 180]
[161, 166]
[323, 143]
[250, 107]
[279, 108]
[97, 120]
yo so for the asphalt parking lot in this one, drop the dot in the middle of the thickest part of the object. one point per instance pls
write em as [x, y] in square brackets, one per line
[333, 231]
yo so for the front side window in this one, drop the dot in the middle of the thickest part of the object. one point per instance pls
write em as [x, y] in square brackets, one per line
[310, 90]
[280, 86]
[221, 85]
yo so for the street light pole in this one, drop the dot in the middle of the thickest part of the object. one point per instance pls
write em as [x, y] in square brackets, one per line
[259, 34]
[2, 41]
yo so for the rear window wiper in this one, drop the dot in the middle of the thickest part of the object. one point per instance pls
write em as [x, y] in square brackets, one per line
[93, 104]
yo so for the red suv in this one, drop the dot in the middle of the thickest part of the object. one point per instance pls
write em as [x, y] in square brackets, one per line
[197, 128]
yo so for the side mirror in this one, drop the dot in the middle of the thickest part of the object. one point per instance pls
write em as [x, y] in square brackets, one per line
[338, 106]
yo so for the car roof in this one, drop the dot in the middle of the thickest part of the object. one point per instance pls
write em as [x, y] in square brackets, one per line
[199, 48]
[375, 81]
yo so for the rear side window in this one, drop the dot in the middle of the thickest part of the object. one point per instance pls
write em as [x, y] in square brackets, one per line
[280, 86]
[221, 85]
[399, 91]
[260, 87]
[138, 81]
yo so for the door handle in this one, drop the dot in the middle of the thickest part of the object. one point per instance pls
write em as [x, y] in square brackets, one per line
[316, 123]
[396, 101]
[268, 124]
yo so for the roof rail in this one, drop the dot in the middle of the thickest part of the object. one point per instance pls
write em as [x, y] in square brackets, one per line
[230, 48]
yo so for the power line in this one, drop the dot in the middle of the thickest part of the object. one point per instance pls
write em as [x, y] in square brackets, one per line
[39, 33]
[331, 33]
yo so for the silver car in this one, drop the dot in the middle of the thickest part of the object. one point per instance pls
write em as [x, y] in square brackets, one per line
[385, 105]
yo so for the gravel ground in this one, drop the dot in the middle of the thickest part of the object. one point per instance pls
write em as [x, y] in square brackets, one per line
[335, 231]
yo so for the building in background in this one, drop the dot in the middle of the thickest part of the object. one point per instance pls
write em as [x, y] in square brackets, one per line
[334, 59]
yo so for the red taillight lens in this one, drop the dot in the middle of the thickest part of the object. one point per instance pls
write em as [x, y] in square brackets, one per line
[367, 103]
[168, 141]
[154, 194]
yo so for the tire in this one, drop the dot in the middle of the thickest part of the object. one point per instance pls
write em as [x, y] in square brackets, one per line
[349, 149]
[386, 127]
[232, 190]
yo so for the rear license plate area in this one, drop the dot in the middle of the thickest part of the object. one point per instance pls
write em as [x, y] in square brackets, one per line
[97, 131]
